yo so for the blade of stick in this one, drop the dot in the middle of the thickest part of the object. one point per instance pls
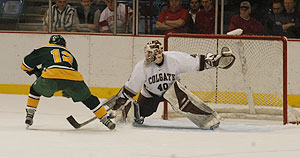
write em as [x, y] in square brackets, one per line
[73, 122]
[77, 125]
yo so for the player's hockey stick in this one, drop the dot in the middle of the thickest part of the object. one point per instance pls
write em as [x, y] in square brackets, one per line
[77, 125]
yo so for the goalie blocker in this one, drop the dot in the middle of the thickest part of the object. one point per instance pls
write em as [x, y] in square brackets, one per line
[187, 104]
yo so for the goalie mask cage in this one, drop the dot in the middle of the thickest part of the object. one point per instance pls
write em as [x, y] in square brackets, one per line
[255, 87]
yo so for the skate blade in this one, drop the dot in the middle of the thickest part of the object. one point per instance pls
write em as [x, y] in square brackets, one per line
[27, 127]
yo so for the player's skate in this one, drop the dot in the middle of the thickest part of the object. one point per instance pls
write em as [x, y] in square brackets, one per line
[29, 117]
[107, 122]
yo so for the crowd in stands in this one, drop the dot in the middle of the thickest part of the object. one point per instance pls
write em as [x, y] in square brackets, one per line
[88, 17]
[278, 17]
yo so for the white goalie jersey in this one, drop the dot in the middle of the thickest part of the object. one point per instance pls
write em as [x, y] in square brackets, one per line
[158, 78]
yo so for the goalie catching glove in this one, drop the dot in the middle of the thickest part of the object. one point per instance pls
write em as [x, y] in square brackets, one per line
[224, 60]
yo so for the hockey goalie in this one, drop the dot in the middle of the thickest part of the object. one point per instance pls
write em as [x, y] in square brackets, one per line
[157, 79]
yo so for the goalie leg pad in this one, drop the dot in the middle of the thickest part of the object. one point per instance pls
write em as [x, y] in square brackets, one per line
[204, 121]
[186, 103]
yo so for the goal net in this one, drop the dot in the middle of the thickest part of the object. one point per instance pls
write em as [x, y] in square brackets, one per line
[255, 87]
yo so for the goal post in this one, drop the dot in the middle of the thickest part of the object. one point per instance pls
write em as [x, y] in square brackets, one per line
[254, 87]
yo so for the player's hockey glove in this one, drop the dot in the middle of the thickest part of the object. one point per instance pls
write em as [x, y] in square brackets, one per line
[36, 71]
[224, 60]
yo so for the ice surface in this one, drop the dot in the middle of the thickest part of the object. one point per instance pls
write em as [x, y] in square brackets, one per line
[51, 136]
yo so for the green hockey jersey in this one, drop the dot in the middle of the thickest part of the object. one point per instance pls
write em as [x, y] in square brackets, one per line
[56, 61]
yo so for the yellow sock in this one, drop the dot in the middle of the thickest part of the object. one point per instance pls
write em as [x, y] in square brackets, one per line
[32, 102]
[100, 112]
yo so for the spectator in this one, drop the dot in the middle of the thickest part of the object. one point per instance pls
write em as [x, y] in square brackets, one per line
[272, 25]
[173, 19]
[62, 16]
[86, 17]
[124, 16]
[297, 5]
[249, 25]
[99, 4]
[289, 20]
[205, 18]
[194, 9]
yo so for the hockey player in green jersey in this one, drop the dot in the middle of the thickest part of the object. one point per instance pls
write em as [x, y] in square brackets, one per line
[58, 72]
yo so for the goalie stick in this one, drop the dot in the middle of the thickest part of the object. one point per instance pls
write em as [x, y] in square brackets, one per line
[77, 125]
[164, 126]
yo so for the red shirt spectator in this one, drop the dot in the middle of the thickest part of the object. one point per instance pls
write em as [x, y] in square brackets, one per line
[205, 19]
[166, 15]
[173, 19]
[249, 25]
[205, 22]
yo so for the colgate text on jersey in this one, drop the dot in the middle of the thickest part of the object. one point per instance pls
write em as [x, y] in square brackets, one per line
[161, 77]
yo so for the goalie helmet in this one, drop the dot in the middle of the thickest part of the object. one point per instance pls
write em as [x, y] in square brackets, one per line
[57, 39]
[153, 51]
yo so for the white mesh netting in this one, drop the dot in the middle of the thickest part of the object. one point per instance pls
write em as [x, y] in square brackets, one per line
[251, 88]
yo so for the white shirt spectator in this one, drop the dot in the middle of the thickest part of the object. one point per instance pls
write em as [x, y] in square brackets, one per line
[106, 22]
